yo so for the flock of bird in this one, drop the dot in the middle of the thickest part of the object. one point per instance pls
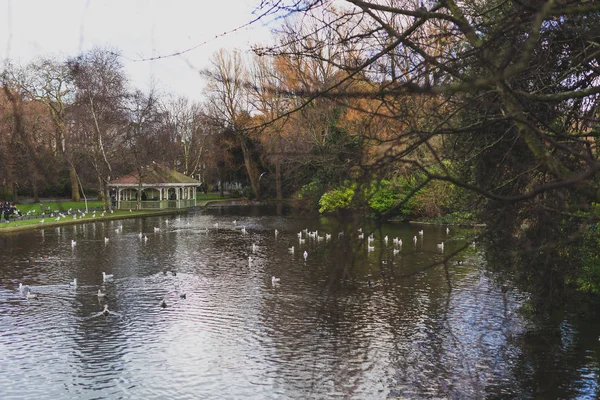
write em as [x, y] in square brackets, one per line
[303, 236]
[102, 296]
[57, 215]
[314, 235]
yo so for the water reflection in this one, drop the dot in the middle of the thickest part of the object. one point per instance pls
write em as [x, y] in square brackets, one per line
[346, 322]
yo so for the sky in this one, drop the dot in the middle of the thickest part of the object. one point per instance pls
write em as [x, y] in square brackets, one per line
[139, 29]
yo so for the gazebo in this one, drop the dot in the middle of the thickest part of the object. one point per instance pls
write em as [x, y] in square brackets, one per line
[158, 187]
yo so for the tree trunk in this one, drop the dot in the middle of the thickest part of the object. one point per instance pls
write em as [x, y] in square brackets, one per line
[278, 191]
[15, 196]
[34, 188]
[102, 194]
[251, 167]
[74, 183]
[138, 203]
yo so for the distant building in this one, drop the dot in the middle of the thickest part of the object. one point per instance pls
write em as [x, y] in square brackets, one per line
[154, 187]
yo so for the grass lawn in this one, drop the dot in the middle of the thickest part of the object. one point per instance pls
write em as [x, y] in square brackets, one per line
[35, 209]
[38, 220]
[210, 196]
[61, 206]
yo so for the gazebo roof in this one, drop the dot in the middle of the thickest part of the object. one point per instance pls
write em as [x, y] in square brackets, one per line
[155, 174]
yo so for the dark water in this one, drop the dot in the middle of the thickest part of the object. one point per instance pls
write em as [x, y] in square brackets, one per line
[346, 322]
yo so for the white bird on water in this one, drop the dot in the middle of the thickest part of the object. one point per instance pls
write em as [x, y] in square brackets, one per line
[101, 294]
[415, 240]
[275, 280]
[421, 232]
[105, 240]
[441, 246]
[30, 295]
[106, 276]
[73, 243]
[447, 230]
[74, 283]
[254, 247]
[291, 249]
[305, 255]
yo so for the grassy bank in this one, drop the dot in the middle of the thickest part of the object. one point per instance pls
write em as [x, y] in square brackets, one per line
[39, 213]
[44, 222]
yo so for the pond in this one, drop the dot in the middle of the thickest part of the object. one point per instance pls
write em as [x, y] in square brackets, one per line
[355, 318]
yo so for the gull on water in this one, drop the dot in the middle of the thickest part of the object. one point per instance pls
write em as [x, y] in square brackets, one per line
[31, 295]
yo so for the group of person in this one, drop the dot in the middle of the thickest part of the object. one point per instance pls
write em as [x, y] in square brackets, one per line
[9, 209]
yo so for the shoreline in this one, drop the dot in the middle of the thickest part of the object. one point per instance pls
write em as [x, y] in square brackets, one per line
[201, 205]
[110, 217]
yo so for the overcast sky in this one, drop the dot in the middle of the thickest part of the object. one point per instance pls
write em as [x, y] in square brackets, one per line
[138, 28]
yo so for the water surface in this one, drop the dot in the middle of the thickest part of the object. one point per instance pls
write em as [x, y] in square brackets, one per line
[346, 322]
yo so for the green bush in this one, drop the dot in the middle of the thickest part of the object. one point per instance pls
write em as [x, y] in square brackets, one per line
[589, 276]
[337, 199]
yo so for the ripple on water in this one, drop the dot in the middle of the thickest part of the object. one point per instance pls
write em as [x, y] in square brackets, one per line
[235, 335]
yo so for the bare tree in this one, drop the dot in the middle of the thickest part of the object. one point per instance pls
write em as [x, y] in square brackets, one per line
[101, 93]
[229, 105]
[49, 82]
[189, 128]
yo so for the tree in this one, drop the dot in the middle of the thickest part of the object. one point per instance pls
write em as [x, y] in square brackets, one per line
[189, 127]
[228, 105]
[511, 105]
[49, 82]
[100, 96]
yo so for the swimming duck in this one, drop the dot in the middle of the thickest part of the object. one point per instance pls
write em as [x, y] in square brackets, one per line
[30, 295]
